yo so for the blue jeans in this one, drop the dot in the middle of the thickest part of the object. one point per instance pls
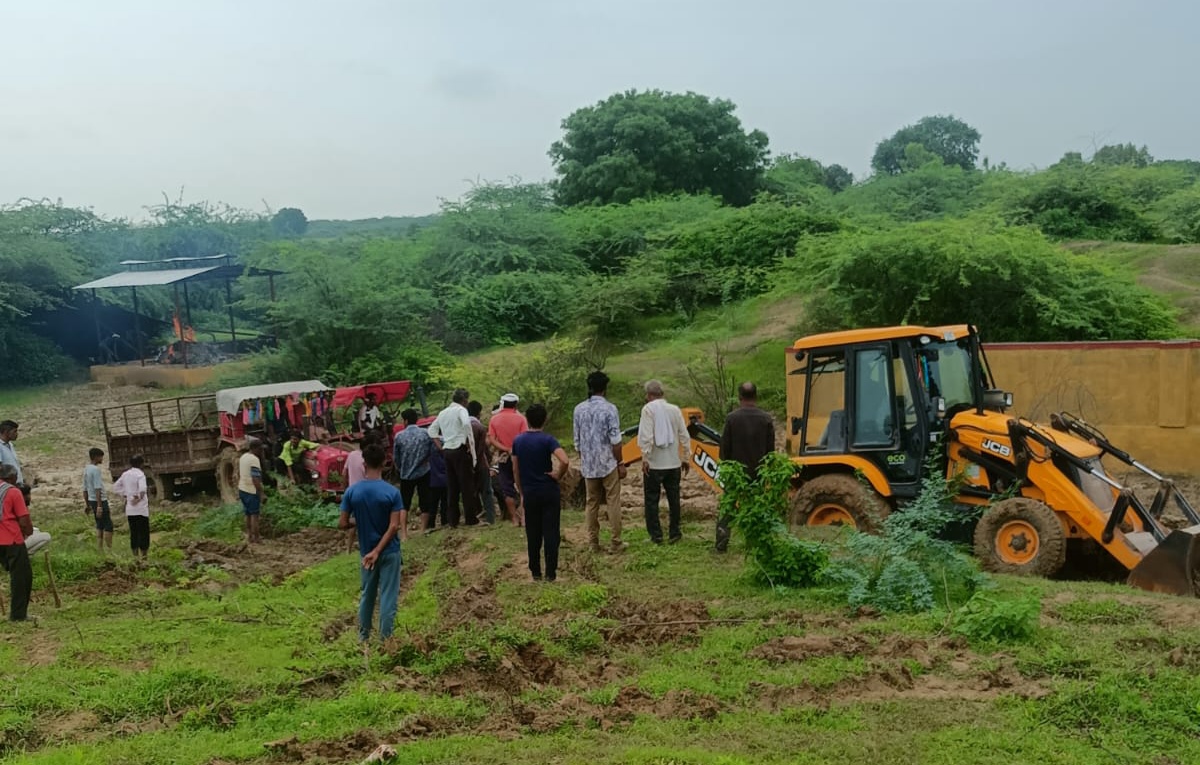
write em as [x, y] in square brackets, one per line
[382, 582]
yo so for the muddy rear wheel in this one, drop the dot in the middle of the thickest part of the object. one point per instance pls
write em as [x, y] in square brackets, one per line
[227, 476]
[1021, 536]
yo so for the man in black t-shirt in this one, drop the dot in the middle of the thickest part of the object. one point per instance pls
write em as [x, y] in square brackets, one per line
[748, 436]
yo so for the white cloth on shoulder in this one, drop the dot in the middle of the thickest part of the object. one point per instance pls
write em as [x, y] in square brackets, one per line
[664, 426]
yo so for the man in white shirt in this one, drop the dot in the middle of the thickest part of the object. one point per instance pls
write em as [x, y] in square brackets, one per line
[132, 486]
[370, 418]
[452, 433]
[666, 448]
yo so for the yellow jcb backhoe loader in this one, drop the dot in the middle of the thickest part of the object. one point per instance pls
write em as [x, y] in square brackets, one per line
[866, 407]
[874, 402]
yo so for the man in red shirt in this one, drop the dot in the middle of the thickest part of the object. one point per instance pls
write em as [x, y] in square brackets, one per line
[504, 426]
[15, 527]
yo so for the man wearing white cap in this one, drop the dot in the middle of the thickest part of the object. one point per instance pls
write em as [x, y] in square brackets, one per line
[505, 425]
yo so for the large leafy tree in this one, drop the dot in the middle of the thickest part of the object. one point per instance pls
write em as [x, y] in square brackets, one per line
[289, 222]
[637, 144]
[947, 137]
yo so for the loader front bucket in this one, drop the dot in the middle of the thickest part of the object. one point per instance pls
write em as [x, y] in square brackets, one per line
[1173, 566]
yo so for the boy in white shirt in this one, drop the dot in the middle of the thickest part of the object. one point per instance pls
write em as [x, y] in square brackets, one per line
[132, 486]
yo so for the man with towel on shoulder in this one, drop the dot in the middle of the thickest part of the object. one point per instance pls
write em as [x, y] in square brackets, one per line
[666, 451]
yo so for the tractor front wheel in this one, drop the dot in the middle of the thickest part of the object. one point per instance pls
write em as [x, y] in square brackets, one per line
[1021, 536]
[837, 499]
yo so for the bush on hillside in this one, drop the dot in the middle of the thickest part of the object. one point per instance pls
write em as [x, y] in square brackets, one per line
[1010, 281]
[610, 306]
[606, 238]
[1072, 201]
[510, 307]
[1179, 216]
[729, 255]
[930, 191]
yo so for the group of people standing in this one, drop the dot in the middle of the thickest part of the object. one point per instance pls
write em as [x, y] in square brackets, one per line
[20, 539]
[529, 465]
[665, 445]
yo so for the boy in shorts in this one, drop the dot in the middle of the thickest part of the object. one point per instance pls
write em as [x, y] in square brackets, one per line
[95, 501]
[250, 488]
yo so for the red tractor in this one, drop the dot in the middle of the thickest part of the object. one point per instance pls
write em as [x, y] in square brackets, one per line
[326, 465]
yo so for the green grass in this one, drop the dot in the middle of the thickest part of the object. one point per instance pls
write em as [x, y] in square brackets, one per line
[173, 673]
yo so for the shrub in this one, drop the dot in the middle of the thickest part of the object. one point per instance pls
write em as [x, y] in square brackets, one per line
[756, 508]
[1179, 215]
[1071, 201]
[906, 568]
[991, 619]
[510, 307]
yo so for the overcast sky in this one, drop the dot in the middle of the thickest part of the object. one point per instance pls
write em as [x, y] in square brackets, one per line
[363, 108]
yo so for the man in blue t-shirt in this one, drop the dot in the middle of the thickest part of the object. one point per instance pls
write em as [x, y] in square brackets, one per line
[379, 517]
[533, 455]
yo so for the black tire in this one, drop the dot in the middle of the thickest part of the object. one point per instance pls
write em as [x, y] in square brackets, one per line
[1008, 530]
[837, 499]
[227, 476]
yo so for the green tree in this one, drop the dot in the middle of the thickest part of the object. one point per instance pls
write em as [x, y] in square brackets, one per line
[38, 266]
[793, 177]
[729, 255]
[340, 302]
[947, 137]
[289, 222]
[517, 306]
[1123, 154]
[497, 228]
[837, 178]
[637, 144]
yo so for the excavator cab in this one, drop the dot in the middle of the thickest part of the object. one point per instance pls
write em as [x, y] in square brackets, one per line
[867, 407]
[878, 400]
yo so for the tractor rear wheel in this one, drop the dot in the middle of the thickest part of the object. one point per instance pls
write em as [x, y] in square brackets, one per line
[837, 499]
[1021, 536]
[160, 486]
[227, 476]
